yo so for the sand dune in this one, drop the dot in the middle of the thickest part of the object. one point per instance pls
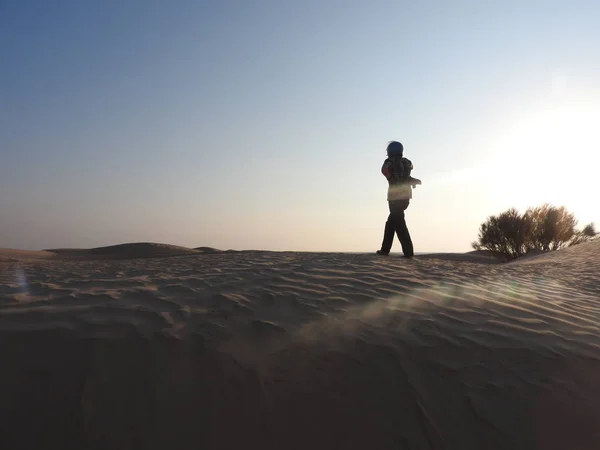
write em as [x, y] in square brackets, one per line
[13, 255]
[126, 251]
[208, 250]
[135, 250]
[301, 350]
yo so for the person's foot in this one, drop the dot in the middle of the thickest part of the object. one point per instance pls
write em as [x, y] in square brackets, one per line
[407, 256]
[382, 253]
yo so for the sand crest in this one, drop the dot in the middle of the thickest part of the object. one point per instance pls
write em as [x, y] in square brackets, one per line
[218, 350]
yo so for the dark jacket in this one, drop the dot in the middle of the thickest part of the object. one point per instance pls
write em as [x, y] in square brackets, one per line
[397, 170]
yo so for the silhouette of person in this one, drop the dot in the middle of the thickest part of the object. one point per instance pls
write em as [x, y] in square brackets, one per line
[397, 170]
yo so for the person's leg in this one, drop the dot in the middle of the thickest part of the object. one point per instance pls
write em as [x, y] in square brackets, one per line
[401, 228]
[388, 236]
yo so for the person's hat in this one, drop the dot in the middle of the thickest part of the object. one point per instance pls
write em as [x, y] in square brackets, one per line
[395, 148]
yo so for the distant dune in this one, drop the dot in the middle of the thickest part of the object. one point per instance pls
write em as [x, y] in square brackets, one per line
[208, 250]
[131, 251]
[140, 250]
[9, 254]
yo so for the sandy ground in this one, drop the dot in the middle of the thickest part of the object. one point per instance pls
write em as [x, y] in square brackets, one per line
[219, 350]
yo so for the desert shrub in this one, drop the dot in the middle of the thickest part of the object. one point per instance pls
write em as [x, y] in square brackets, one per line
[544, 228]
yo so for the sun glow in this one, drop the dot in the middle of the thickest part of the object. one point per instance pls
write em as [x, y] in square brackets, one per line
[552, 156]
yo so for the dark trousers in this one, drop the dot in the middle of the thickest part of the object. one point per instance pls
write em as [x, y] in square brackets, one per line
[396, 224]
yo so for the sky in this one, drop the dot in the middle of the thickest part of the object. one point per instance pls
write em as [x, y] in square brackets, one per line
[263, 124]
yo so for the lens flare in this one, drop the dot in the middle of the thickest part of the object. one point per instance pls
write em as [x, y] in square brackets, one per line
[22, 280]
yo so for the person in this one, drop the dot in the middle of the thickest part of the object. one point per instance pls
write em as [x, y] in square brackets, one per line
[397, 169]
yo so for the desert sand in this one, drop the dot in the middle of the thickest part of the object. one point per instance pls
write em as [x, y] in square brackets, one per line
[116, 349]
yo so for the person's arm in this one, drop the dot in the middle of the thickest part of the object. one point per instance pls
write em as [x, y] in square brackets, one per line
[386, 169]
[414, 182]
[411, 180]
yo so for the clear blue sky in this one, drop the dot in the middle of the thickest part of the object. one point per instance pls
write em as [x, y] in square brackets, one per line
[263, 124]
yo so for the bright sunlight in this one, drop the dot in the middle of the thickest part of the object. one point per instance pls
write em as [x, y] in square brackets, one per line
[551, 156]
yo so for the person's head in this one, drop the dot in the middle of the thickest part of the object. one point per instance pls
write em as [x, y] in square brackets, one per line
[395, 148]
